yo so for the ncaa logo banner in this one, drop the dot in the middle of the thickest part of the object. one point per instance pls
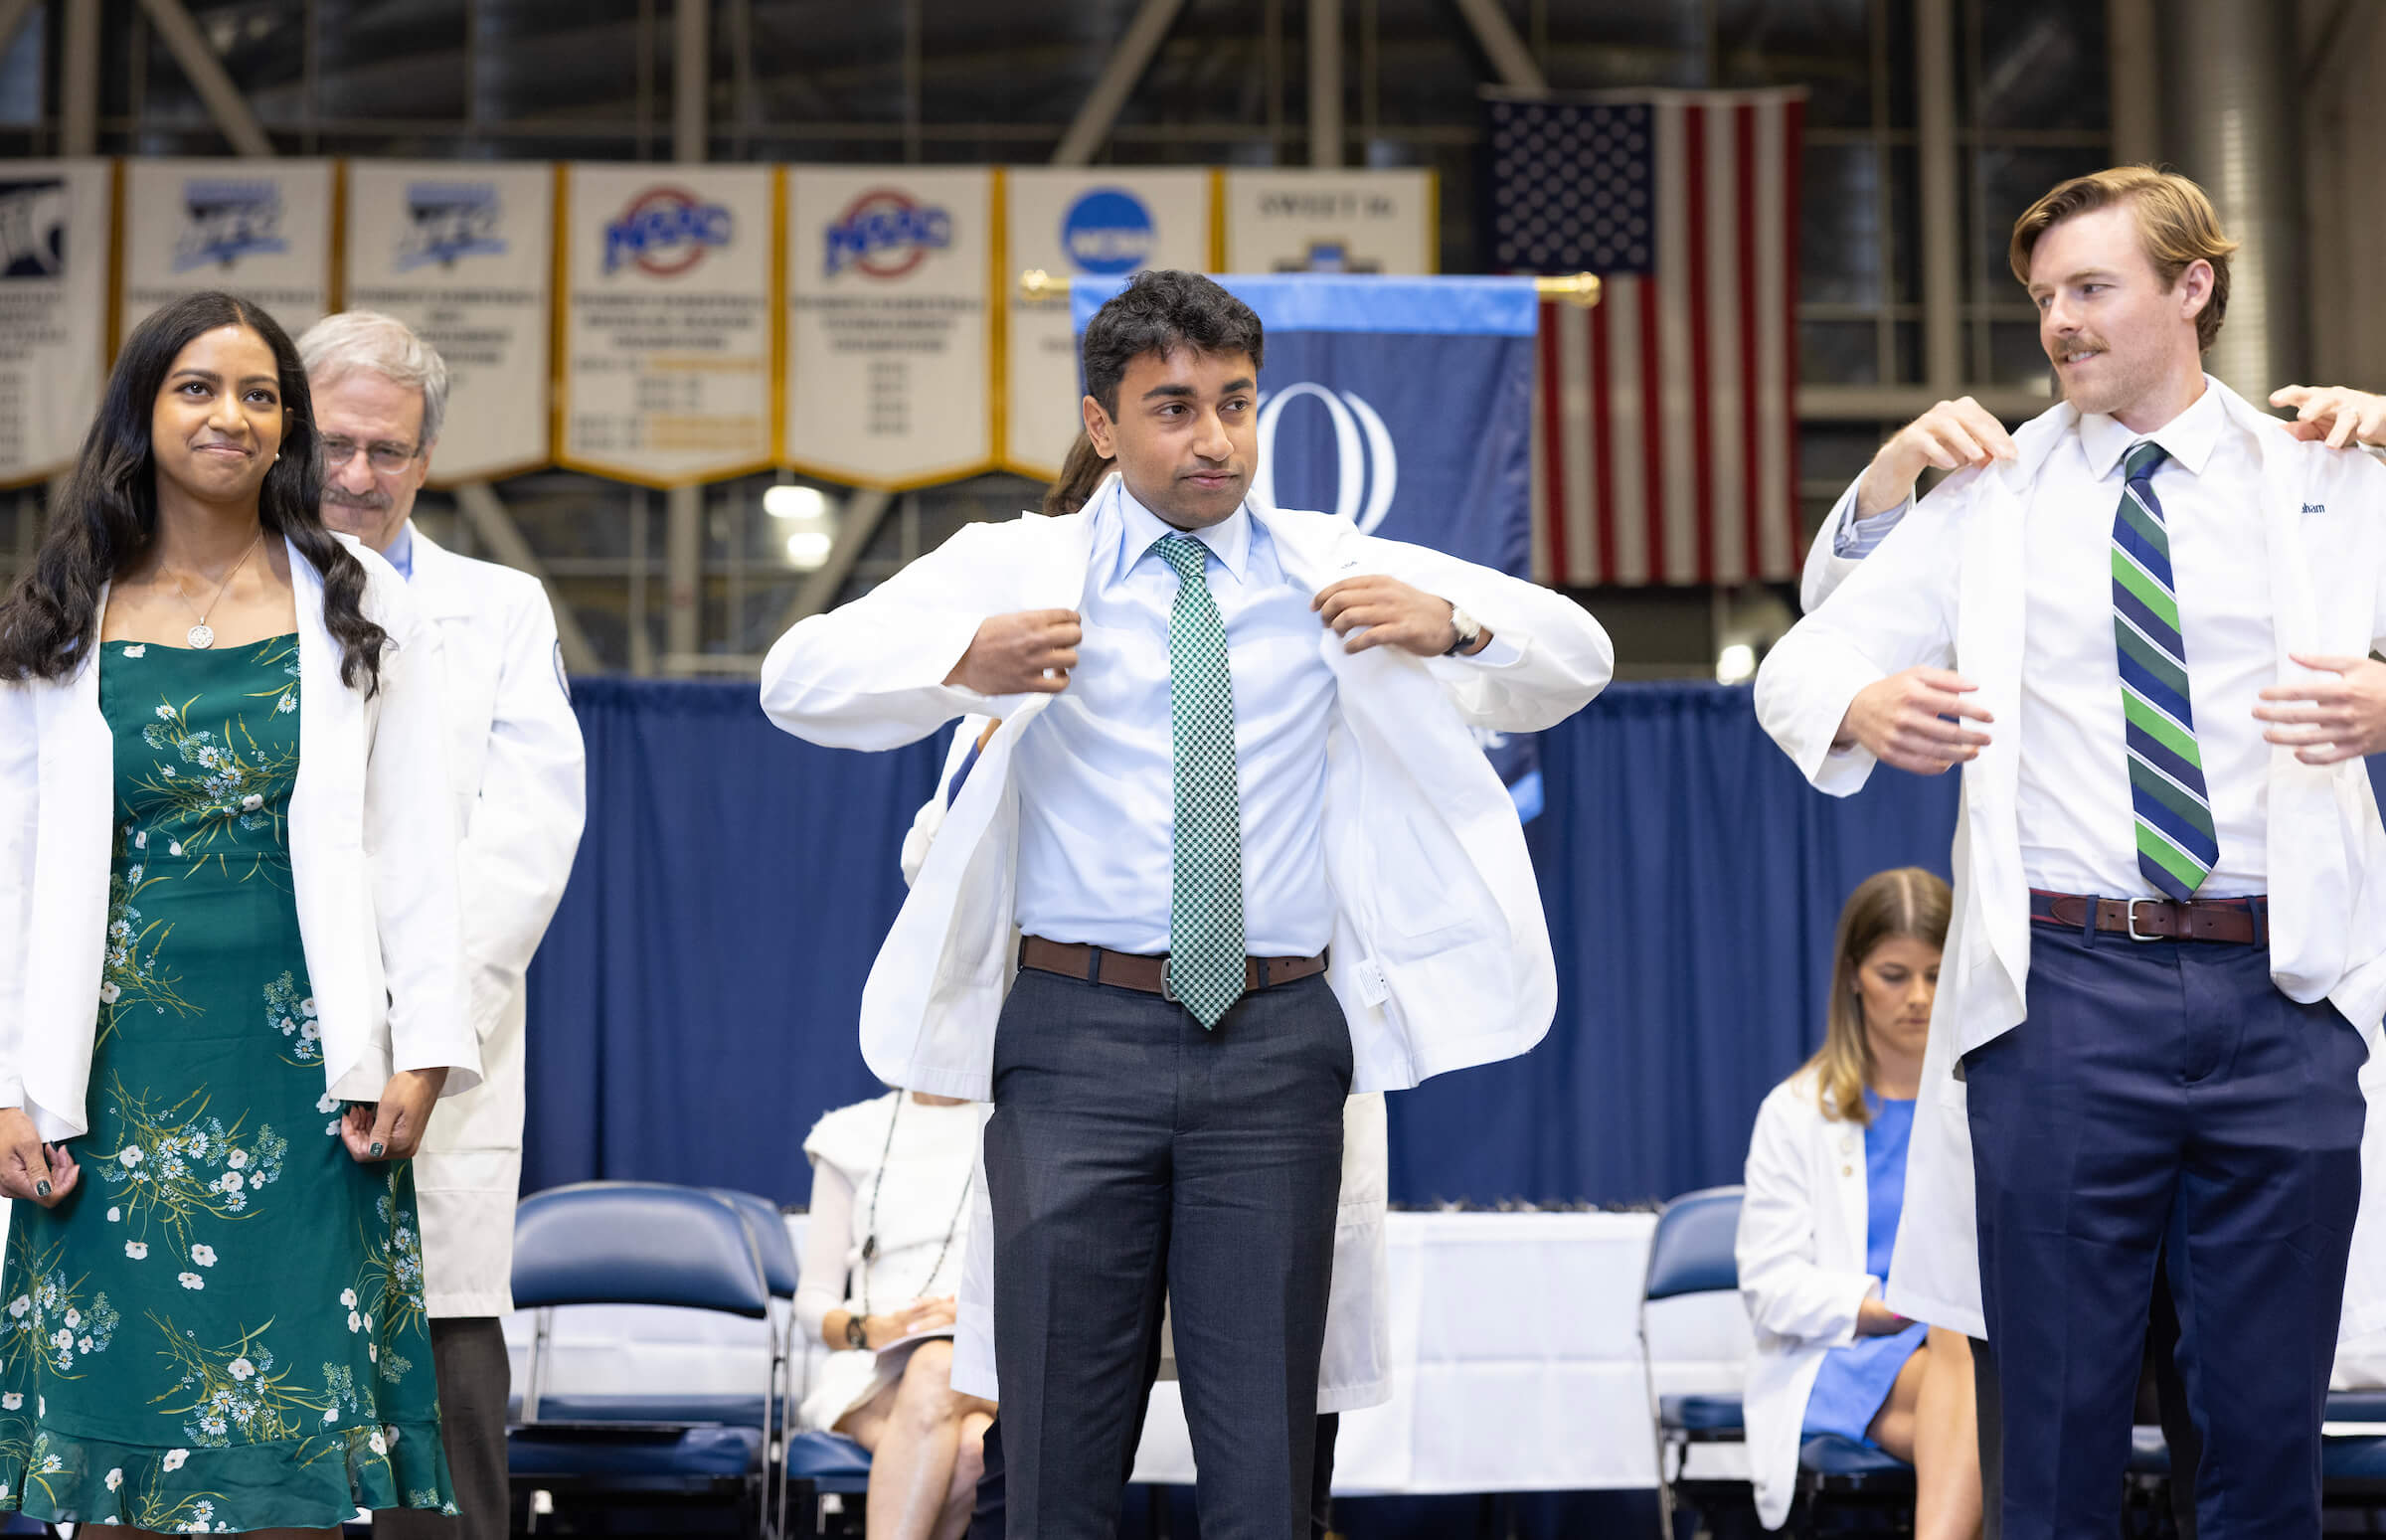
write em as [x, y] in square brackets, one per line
[55, 224]
[261, 229]
[669, 370]
[890, 325]
[464, 253]
[1110, 223]
[1405, 406]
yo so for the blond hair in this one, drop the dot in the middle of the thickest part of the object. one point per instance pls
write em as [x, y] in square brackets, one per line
[2176, 226]
[1887, 906]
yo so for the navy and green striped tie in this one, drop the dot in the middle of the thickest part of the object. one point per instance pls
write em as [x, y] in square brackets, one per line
[2176, 848]
[1205, 921]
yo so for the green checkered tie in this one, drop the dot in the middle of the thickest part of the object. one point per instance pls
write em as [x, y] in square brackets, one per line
[1204, 923]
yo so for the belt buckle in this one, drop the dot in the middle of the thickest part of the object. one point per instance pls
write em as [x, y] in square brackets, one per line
[2132, 920]
[1168, 989]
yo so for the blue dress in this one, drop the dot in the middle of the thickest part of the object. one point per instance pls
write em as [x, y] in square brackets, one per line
[1854, 1380]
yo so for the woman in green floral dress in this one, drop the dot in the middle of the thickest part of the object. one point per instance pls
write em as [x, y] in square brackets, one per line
[211, 1308]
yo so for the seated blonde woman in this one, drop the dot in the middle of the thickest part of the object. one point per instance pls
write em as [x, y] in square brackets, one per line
[1826, 1174]
[882, 1262]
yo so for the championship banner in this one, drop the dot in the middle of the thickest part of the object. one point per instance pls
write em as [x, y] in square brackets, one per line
[258, 229]
[1332, 221]
[1110, 223]
[464, 251]
[54, 220]
[890, 343]
[667, 287]
[1405, 406]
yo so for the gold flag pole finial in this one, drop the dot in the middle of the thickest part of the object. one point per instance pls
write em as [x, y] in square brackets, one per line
[1575, 288]
[1038, 287]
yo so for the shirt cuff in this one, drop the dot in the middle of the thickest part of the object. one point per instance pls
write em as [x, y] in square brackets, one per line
[1855, 538]
[1498, 653]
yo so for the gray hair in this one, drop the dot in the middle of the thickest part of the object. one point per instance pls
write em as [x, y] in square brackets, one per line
[339, 345]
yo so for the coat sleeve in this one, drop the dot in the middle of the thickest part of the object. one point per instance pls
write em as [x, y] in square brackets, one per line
[827, 1237]
[19, 811]
[410, 851]
[526, 824]
[1548, 658]
[1825, 566]
[1790, 1294]
[871, 674]
[1895, 611]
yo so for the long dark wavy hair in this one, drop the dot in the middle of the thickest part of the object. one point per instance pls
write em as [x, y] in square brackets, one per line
[104, 520]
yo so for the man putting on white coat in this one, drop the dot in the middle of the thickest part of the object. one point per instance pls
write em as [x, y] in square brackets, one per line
[1238, 812]
[2169, 945]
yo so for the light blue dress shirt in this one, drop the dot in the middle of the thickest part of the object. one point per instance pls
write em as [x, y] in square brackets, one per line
[401, 553]
[1096, 774]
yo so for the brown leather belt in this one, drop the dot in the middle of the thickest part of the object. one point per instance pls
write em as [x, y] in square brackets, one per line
[2239, 922]
[1133, 970]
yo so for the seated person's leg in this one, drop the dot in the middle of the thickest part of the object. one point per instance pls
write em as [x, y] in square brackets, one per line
[1931, 1421]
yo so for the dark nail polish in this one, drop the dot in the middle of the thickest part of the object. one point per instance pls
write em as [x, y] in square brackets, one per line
[376, 1146]
[41, 1189]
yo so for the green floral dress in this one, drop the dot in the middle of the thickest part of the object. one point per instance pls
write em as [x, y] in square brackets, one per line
[221, 1327]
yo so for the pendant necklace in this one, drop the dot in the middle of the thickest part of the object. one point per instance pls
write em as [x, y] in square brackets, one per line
[203, 635]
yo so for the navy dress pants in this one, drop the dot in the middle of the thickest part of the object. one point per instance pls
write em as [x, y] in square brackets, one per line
[1132, 1155]
[2163, 1100]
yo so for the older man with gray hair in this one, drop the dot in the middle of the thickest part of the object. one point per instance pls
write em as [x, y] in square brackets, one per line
[514, 754]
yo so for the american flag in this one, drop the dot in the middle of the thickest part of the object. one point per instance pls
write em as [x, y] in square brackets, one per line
[1664, 447]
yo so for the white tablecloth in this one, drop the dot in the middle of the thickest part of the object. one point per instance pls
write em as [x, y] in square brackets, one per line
[1515, 1339]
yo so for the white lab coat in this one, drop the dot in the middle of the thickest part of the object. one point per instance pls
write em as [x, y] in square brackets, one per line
[1946, 589]
[1356, 1369]
[1802, 1252]
[1441, 953]
[372, 860]
[521, 795]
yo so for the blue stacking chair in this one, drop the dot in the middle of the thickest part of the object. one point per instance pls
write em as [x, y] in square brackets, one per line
[1690, 1253]
[636, 1243]
[2353, 1460]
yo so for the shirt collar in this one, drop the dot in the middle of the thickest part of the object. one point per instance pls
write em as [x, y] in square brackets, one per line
[401, 553]
[1229, 540]
[2188, 438]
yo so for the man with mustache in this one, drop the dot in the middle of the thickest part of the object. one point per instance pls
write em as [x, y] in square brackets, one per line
[515, 761]
[2141, 625]
[1235, 808]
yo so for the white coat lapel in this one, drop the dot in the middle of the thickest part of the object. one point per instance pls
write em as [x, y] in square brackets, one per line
[2304, 841]
[77, 778]
[1850, 1178]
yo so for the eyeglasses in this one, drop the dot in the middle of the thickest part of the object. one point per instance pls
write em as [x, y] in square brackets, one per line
[385, 458]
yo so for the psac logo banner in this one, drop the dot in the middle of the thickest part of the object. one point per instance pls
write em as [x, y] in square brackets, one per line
[448, 220]
[33, 229]
[885, 233]
[665, 230]
[225, 221]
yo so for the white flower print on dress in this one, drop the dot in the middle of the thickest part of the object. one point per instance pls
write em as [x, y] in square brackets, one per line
[110, 992]
[241, 1368]
[12, 1401]
[192, 1281]
[348, 1301]
[327, 1103]
[136, 1250]
[355, 1321]
[174, 1459]
[74, 1318]
[203, 1255]
[116, 1478]
[116, 1216]
[130, 1156]
[140, 650]
[381, 1446]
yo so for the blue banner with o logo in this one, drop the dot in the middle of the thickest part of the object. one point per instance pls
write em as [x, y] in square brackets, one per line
[1403, 404]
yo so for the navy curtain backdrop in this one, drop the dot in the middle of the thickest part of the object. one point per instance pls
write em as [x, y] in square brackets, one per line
[693, 1008]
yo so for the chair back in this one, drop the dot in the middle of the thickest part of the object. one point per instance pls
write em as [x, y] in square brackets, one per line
[636, 1243]
[768, 1227]
[1692, 1251]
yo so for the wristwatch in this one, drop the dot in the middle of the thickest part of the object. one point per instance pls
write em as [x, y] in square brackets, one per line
[1468, 628]
[857, 1332]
